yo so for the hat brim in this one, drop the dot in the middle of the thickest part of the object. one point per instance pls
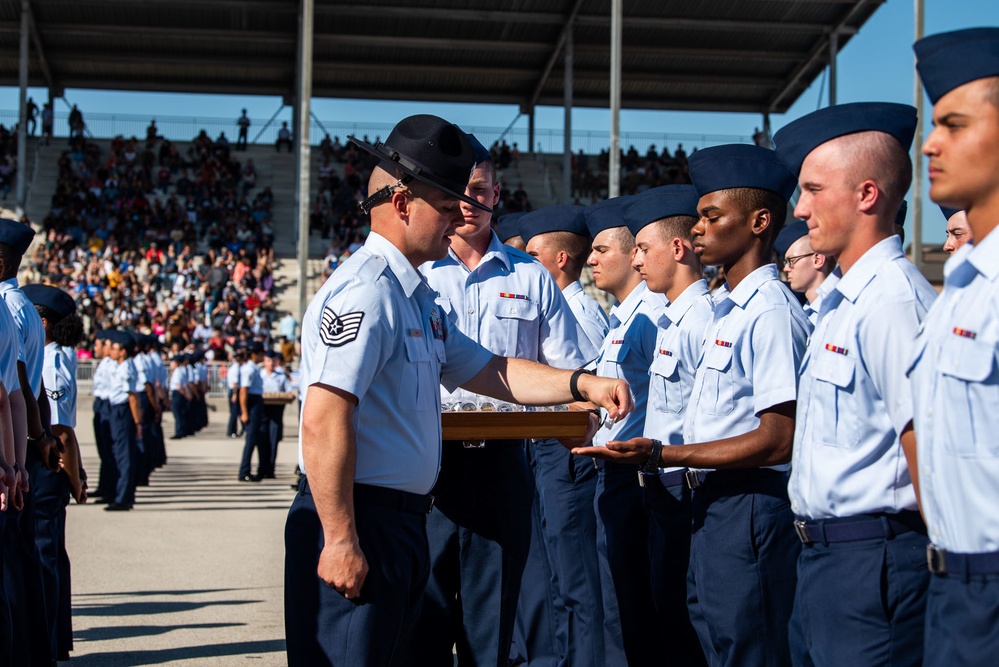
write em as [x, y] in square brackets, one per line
[387, 157]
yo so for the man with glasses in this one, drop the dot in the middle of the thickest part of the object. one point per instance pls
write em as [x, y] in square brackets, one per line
[808, 272]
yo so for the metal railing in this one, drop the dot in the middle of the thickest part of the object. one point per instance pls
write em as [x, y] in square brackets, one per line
[184, 128]
[217, 386]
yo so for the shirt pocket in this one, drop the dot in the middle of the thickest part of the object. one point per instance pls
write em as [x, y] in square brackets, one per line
[665, 384]
[615, 357]
[717, 395]
[970, 396]
[831, 409]
[419, 383]
[510, 329]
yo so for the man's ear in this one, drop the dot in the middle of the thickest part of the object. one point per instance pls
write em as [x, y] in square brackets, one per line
[761, 221]
[562, 258]
[400, 202]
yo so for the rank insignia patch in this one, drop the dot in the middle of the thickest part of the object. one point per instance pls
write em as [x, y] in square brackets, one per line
[55, 394]
[336, 330]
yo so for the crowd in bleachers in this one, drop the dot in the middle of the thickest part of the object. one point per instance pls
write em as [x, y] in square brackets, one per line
[161, 240]
[638, 172]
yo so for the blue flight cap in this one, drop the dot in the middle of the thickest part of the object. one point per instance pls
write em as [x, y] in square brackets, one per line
[480, 152]
[103, 334]
[739, 166]
[255, 347]
[559, 218]
[52, 298]
[508, 226]
[800, 137]
[605, 214]
[948, 213]
[787, 236]
[948, 60]
[16, 234]
[902, 210]
[658, 203]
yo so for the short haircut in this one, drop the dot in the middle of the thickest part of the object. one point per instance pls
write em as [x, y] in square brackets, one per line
[754, 199]
[574, 245]
[992, 91]
[11, 261]
[489, 167]
[879, 157]
[624, 238]
[676, 226]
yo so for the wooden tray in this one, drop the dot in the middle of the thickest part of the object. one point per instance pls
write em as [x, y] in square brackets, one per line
[513, 425]
[279, 398]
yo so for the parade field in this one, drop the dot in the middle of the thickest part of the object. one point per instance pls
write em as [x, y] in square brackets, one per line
[193, 575]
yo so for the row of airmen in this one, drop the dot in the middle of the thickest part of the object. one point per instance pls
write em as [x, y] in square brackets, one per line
[40, 464]
[773, 489]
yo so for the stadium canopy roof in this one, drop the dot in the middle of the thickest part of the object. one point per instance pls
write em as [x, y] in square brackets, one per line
[717, 55]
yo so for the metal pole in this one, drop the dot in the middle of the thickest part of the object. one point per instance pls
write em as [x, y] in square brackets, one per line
[917, 156]
[22, 125]
[614, 162]
[833, 50]
[567, 138]
[530, 132]
[302, 158]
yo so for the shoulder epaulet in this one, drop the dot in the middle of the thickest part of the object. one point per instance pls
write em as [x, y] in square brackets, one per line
[372, 267]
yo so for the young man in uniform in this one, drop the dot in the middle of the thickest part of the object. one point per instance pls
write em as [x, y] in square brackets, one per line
[807, 271]
[739, 426]
[850, 489]
[955, 376]
[376, 347]
[251, 402]
[126, 420]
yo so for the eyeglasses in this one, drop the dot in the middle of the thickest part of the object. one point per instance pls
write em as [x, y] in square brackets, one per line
[789, 262]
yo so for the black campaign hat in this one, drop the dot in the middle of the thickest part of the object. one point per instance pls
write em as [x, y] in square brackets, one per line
[429, 149]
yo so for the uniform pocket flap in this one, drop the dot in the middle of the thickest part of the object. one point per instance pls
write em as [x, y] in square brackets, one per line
[718, 357]
[416, 349]
[617, 353]
[516, 309]
[664, 365]
[835, 368]
[968, 359]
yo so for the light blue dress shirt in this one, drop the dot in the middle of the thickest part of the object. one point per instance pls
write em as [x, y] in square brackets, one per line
[232, 376]
[102, 378]
[588, 313]
[510, 305]
[10, 352]
[59, 374]
[374, 330]
[627, 353]
[178, 378]
[955, 389]
[122, 381]
[275, 382]
[853, 396]
[249, 378]
[679, 345]
[29, 326]
[752, 351]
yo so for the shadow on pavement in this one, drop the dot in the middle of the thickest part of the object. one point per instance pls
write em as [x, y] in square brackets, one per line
[123, 631]
[160, 656]
[139, 608]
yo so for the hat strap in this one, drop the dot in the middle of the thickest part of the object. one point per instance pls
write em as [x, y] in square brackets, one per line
[383, 194]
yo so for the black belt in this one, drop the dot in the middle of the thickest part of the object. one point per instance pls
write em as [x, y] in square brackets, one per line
[667, 479]
[697, 478]
[947, 563]
[856, 528]
[404, 501]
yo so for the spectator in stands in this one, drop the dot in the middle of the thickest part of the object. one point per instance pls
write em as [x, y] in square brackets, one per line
[152, 134]
[48, 121]
[244, 128]
[283, 137]
[76, 124]
[31, 111]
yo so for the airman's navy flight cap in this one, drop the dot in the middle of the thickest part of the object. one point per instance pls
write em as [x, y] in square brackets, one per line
[739, 166]
[559, 218]
[508, 226]
[480, 152]
[606, 214]
[16, 234]
[948, 212]
[665, 201]
[51, 297]
[787, 236]
[800, 137]
[948, 60]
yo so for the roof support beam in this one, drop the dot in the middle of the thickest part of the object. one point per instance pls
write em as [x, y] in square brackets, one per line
[553, 58]
[36, 39]
[819, 52]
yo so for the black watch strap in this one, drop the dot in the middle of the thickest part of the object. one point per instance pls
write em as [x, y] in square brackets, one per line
[574, 384]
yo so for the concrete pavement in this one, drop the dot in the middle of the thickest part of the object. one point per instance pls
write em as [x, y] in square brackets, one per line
[194, 574]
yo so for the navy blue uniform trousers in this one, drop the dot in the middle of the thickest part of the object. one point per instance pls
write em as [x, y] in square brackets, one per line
[962, 615]
[668, 509]
[51, 492]
[180, 407]
[126, 454]
[102, 436]
[743, 558]
[256, 438]
[274, 415]
[479, 536]
[861, 603]
[323, 628]
[234, 425]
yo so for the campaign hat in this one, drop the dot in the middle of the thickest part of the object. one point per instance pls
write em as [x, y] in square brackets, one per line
[731, 166]
[429, 149]
[664, 201]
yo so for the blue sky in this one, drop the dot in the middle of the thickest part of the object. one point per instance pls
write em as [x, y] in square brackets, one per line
[877, 65]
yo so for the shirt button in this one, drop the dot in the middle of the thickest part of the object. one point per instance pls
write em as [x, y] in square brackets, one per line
[471, 310]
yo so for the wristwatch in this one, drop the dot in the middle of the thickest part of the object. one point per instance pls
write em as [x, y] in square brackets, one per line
[655, 457]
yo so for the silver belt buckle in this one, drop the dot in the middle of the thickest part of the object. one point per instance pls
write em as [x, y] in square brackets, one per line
[693, 479]
[431, 508]
[936, 559]
[641, 479]
[802, 530]
[472, 444]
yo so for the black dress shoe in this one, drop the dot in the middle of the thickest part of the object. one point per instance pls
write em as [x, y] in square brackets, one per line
[115, 507]
[269, 475]
[249, 478]
[101, 501]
